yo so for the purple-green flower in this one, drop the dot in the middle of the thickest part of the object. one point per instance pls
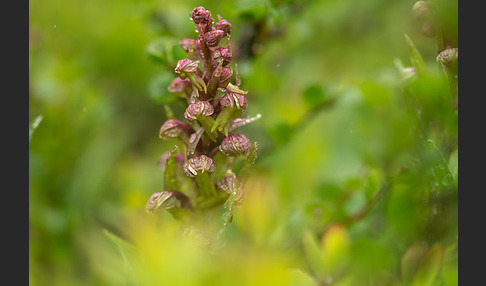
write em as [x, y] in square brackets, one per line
[448, 56]
[179, 85]
[234, 100]
[230, 184]
[201, 16]
[421, 10]
[225, 77]
[213, 37]
[185, 66]
[224, 26]
[200, 164]
[222, 54]
[235, 145]
[173, 128]
[197, 109]
[168, 200]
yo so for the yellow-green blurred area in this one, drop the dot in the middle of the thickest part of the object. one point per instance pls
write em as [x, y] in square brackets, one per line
[356, 177]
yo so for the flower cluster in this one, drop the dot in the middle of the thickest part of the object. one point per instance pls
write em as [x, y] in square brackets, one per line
[208, 146]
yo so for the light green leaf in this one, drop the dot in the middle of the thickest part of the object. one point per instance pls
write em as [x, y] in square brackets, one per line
[429, 266]
[127, 251]
[313, 253]
[415, 57]
[442, 174]
[34, 126]
[410, 260]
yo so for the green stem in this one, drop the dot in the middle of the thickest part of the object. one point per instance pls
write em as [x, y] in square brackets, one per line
[207, 122]
[205, 185]
[222, 120]
[214, 81]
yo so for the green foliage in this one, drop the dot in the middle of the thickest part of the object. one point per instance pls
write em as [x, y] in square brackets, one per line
[356, 180]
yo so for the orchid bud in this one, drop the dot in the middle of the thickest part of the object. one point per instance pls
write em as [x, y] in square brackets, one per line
[197, 109]
[234, 100]
[222, 54]
[225, 77]
[201, 111]
[224, 26]
[448, 56]
[168, 200]
[186, 44]
[230, 184]
[235, 145]
[213, 37]
[234, 105]
[201, 16]
[421, 10]
[192, 48]
[179, 85]
[194, 166]
[173, 128]
[185, 66]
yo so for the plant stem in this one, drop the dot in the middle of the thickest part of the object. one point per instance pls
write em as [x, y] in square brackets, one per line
[205, 185]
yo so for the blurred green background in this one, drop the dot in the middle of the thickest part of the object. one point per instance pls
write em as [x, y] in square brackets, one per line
[339, 130]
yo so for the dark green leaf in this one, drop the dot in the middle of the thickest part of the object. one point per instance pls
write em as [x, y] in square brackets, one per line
[314, 96]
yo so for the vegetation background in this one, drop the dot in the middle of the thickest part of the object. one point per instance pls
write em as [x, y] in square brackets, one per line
[356, 179]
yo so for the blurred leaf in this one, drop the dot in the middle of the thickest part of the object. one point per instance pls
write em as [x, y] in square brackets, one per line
[454, 165]
[440, 170]
[411, 259]
[429, 266]
[372, 183]
[450, 266]
[329, 191]
[313, 254]
[375, 94]
[165, 50]
[282, 132]
[336, 246]
[368, 257]
[314, 96]
[126, 249]
[300, 278]
[415, 57]
[129, 253]
[251, 10]
[158, 88]
[34, 126]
